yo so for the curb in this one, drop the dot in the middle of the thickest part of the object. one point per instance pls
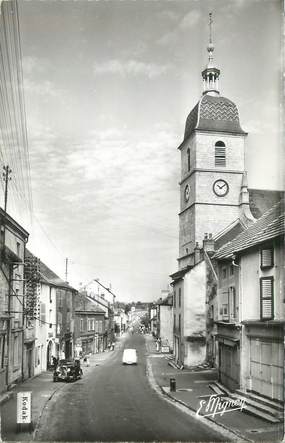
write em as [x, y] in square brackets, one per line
[37, 424]
[217, 427]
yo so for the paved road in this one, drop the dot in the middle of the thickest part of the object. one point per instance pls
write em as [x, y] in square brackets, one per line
[114, 402]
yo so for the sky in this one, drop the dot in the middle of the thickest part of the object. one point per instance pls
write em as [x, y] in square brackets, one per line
[108, 86]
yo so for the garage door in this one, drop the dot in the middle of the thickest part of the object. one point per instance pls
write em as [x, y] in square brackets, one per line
[266, 368]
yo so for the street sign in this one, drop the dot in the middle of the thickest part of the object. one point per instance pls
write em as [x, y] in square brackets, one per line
[24, 407]
[165, 349]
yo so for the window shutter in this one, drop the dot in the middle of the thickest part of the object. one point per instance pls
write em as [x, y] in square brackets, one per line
[266, 298]
[43, 313]
[267, 258]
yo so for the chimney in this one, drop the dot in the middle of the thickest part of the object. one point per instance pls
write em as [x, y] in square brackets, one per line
[208, 243]
[197, 254]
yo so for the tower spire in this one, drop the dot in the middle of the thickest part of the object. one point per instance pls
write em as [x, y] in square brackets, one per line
[211, 74]
[210, 47]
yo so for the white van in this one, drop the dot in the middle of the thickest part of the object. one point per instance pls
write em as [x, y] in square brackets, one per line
[130, 357]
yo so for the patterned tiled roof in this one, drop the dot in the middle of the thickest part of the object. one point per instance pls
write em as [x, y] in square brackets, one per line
[213, 113]
[267, 227]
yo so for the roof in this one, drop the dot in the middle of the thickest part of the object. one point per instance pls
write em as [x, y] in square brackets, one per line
[267, 227]
[213, 113]
[180, 274]
[48, 276]
[260, 200]
[13, 224]
[167, 301]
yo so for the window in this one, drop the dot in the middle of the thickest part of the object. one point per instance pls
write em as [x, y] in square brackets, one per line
[18, 249]
[266, 258]
[174, 299]
[174, 322]
[220, 154]
[16, 351]
[266, 298]
[231, 270]
[232, 303]
[81, 325]
[224, 273]
[179, 298]
[43, 314]
[179, 323]
[50, 298]
[188, 159]
[225, 314]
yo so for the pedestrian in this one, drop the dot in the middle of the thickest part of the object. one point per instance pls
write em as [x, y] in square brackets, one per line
[54, 362]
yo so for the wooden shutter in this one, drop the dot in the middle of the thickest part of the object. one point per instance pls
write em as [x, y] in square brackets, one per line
[266, 298]
[43, 313]
[267, 258]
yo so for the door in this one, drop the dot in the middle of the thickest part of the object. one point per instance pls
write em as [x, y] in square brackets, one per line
[30, 362]
[49, 355]
[229, 366]
[266, 368]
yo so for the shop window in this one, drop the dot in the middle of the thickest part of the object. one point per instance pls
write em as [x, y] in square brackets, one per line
[266, 258]
[266, 298]
[220, 154]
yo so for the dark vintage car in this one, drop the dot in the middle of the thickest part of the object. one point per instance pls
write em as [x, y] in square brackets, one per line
[67, 370]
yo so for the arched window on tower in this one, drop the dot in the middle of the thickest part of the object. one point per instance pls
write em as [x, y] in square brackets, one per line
[220, 154]
[188, 159]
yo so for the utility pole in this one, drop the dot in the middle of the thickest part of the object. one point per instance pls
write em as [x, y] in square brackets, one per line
[66, 269]
[6, 177]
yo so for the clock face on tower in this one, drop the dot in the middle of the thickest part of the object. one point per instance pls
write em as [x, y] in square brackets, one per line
[187, 193]
[220, 187]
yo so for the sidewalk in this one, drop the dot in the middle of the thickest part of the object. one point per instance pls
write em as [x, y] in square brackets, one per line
[42, 388]
[192, 386]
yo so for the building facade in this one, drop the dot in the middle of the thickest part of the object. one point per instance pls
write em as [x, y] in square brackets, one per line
[89, 326]
[13, 244]
[251, 307]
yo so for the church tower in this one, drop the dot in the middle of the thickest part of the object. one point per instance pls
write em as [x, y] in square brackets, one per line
[212, 164]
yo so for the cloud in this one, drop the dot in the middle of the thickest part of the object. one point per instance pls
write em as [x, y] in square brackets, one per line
[189, 20]
[44, 88]
[131, 67]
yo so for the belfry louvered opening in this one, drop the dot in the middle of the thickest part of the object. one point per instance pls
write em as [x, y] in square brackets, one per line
[266, 298]
[220, 154]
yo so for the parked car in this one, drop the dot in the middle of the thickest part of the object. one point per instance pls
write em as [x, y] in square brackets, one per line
[67, 370]
[130, 357]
